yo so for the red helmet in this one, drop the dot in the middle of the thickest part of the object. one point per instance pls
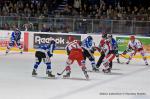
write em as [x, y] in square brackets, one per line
[70, 38]
[132, 37]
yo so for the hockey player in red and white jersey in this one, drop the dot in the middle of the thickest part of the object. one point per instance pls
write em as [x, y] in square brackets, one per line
[135, 46]
[109, 56]
[99, 48]
[75, 52]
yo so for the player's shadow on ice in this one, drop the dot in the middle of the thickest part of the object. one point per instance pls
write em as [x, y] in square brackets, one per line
[132, 64]
[44, 78]
[71, 78]
[75, 78]
[114, 73]
[13, 53]
[115, 69]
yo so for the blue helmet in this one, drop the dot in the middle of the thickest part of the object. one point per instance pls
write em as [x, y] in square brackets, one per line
[52, 42]
[90, 37]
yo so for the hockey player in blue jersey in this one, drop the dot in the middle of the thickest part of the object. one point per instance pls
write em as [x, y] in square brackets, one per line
[44, 52]
[15, 39]
[114, 46]
[88, 50]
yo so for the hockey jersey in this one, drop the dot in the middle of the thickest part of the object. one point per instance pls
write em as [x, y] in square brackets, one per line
[135, 45]
[87, 43]
[16, 35]
[73, 45]
[106, 46]
[47, 48]
[114, 44]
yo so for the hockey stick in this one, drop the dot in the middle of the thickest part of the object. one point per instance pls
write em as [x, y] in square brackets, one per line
[98, 49]
[123, 56]
[61, 72]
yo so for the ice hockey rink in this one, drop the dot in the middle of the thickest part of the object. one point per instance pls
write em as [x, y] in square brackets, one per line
[125, 82]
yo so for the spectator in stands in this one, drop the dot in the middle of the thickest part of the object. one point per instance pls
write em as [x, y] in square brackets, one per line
[99, 9]
[5, 10]
[66, 11]
[45, 28]
[77, 5]
[45, 10]
[95, 9]
[148, 11]
[28, 26]
[6, 26]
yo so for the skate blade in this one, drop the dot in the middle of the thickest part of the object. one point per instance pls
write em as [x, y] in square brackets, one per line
[87, 78]
[34, 75]
[51, 77]
[89, 70]
[121, 63]
[77, 79]
[107, 73]
[93, 71]
[66, 77]
[21, 53]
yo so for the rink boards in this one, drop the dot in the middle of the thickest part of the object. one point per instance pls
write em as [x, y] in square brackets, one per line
[30, 40]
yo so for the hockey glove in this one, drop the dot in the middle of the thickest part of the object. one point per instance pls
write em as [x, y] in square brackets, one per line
[49, 54]
[125, 52]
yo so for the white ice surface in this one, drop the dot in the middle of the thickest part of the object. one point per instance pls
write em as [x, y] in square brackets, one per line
[16, 81]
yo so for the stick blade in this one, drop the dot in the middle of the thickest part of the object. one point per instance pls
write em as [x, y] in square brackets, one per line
[59, 74]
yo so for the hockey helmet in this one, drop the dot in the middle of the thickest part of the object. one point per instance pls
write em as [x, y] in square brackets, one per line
[90, 37]
[109, 35]
[104, 35]
[52, 42]
[132, 37]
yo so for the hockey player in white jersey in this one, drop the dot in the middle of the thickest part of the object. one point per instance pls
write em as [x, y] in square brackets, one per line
[135, 46]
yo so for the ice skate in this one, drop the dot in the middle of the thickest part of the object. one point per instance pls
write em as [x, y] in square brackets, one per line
[106, 70]
[95, 69]
[146, 63]
[50, 75]
[67, 74]
[6, 52]
[118, 60]
[85, 73]
[34, 73]
[127, 62]
[21, 51]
